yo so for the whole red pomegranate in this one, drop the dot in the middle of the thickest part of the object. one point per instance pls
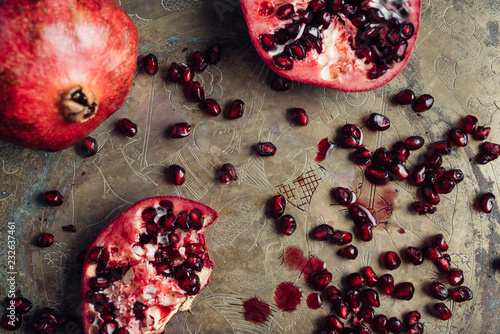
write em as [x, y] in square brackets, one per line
[65, 66]
[147, 264]
[348, 45]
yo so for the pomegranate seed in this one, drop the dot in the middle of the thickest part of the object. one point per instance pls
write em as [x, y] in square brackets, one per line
[193, 261]
[404, 291]
[394, 325]
[190, 283]
[211, 106]
[287, 225]
[386, 284]
[199, 62]
[98, 283]
[370, 297]
[438, 290]
[332, 322]
[454, 174]
[321, 232]
[235, 110]
[362, 155]
[379, 322]
[285, 12]
[229, 169]
[353, 299]
[320, 279]
[442, 147]
[343, 196]
[45, 240]
[213, 54]
[332, 293]
[378, 122]
[481, 133]
[416, 328]
[69, 228]
[485, 203]
[423, 103]
[430, 196]
[414, 143]
[314, 301]
[391, 260]
[53, 198]
[365, 231]
[355, 280]
[377, 175]
[87, 147]
[186, 73]
[299, 116]
[127, 127]
[21, 305]
[150, 63]
[407, 30]
[489, 147]
[176, 174]
[341, 308]
[341, 238]
[440, 311]
[455, 277]
[458, 137]
[366, 314]
[404, 97]
[445, 263]
[399, 151]
[370, 276]
[349, 141]
[460, 294]
[11, 322]
[360, 215]
[486, 157]
[424, 208]
[265, 149]
[433, 160]
[283, 62]
[397, 171]
[439, 242]
[434, 175]
[418, 175]
[180, 130]
[108, 327]
[444, 186]
[352, 130]
[138, 310]
[195, 91]
[277, 206]
[414, 255]
[280, 84]
[433, 254]
[469, 124]
[382, 158]
[350, 252]
[174, 72]
[412, 317]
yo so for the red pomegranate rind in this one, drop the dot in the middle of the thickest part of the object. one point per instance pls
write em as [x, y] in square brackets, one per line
[337, 66]
[162, 295]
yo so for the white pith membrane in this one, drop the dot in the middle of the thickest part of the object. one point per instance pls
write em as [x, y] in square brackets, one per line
[142, 283]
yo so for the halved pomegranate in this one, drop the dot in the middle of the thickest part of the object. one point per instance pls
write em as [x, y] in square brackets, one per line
[345, 45]
[147, 264]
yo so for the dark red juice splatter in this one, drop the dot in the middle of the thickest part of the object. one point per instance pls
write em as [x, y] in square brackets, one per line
[294, 259]
[287, 296]
[256, 311]
[402, 230]
[324, 148]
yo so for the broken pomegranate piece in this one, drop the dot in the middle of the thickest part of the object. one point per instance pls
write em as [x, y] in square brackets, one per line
[344, 45]
[147, 264]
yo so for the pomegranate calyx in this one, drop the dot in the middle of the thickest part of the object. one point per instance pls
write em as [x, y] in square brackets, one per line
[78, 105]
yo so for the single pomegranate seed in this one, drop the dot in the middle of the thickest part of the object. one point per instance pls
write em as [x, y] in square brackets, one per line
[433, 254]
[377, 175]
[199, 62]
[481, 133]
[386, 284]
[352, 130]
[321, 232]
[180, 130]
[440, 311]
[370, 276]
[213, 54]
[193, 261]
[362, 155]
[399, 152]
[21, 305]
[370, 297]
[350, 252]
[414, 255]
[283, 62]
[265, 149]
[424, 208]
[442, 147]
[434, 175]
[412, 317]
[353, 299]
[332, 322]
[127, 127]
[382, 158]
[229, 169]
[430, 196]
[287, 225]
[469, 124]
[299, 116]
[343, 196]
[378, 324]
[186, 73]
[45, 240]
[98, 283]
[176, 174]
[455, 277]
[365, 231]
[378, 122]
[407, 30]
[53, 198]
[394, 325]
[277, 206]
[174, 72]
[404, 291]
[211, 106]
[285, 12]
[423, 103]
[486, 157]
[190, 283]
[360, 215]
[319, 280]
[439, 242]
[397, 171]
[454, 174]
[414, 143]
[485, 202]
[341, 308]
[433, 160]
[458, 137]
[390, 260]
[445, 263]
[490, 147]
[108, 327]
[280, 84]
[418, 175]
[11, 322]
[196, 91]
[355, 280]
[460, 294]
[150, 63]
[235, 110]
[349, 141]
[341, 238]
[138, 310]
[416, 328]
[332, 293]
[444, 186]
[404, 97]
[438, 290]
[366, 314]
[87, 147]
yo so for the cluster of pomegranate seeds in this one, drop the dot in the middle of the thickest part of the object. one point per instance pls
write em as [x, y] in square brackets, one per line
[280, 84]
[45, 240]
[299, 116]
[227, 173]
[485, 202]
[235, 110]
[176, 174]
[53, 198]
[285, 224]
[87, 147]
[180, 130]
[127, 127]
[150, 63]
[378, 122]
[265, 149]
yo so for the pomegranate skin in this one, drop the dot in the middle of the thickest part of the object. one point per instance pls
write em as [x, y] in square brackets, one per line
[46, 102]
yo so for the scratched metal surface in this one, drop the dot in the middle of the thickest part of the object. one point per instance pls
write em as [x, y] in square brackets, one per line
[456, 60]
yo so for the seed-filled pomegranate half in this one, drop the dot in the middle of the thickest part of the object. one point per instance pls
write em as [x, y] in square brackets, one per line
[147, 264]
[65, 66]
[347, 45]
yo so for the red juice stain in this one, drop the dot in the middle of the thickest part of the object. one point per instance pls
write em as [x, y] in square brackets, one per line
[295, 259]
[324, 148]
[256, 311]
[402, 230]
[314, 301]
[287, 296]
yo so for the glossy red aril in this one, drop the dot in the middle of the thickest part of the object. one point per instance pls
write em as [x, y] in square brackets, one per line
[46, 322]
[341, 238]
[349, 141]
[180, 130]
[332, 293]
[299, 116]
[364, 231]
[438, 290]
[378, 324]
[277, 206]
[486, 157]
[460, 294]
[287, 225]
[469, 124]
[58, 85]
[195, 91]
[439, 242]
[377, 175]
[440, 311]
[53, 198]
[350, 252]
[361, 214]
[199, 62]
[458, 137]
[352, 130]
[445, 263]
[378, 122]
[213, 54]
[344, 196]
[333, 44]
[444, 185]
[481, 133]
[235, 110]
[186, 73]
[265, 149]
[414, 142]
[174, 72]
[412, 317]
[362, 155]
[319, 280]
[21, 305]
[176, 174]
[424, 208]
[11, 322]
[442, 147]
[211, 106]
[353, 299]
[370, 297]
[150, 64]
[417, 177]
[455, 277]
[365, 314]
[433, 160]
[423, 103]
[355, 280]
[333, 323]
[490, 147]
[429, 195]
[382, 158]
[280, 84]
[341, 308]
[399, 152]
[394, 325]
[404, 291]
[314, 301]
[434, 175]
[433, 254]
[321, 232]
[404, 97]
[229, 169]
[87, 147]
[414, 255]
[390, 260]
[453, 174]
[127, 127]
[485, 202]
[386, 284]
[45, 240]
[370, 276]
